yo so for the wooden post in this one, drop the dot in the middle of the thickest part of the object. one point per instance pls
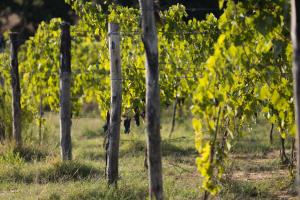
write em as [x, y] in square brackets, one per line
[149, 38]
[41, 114]
[65, 94]
[2, 102]
[116, 103]
[295, 33]
[16, 91]
[173, 116]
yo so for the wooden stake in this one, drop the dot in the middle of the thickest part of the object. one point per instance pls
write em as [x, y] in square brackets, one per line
[295, 33]
[149, 38]
[116, 103]
[65, 94]
[16, 91]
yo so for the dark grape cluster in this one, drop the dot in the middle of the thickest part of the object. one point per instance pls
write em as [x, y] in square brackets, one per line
[127, 122]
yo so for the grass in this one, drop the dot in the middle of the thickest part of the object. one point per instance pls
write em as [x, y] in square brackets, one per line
[254, 169]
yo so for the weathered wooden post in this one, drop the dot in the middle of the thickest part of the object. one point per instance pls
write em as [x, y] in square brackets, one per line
[2, 106]
[2, 100]
[149, 38]
[65, 93]
[115, 103]
[173, 116]
[41, 114]
[295, 33]
[16, 91]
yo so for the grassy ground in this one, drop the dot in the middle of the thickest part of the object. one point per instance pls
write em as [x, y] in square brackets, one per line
[254, 169]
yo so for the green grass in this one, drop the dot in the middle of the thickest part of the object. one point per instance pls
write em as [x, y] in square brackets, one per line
[254, 169]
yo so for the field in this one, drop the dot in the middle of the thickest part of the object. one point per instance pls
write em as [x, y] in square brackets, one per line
[254, 169]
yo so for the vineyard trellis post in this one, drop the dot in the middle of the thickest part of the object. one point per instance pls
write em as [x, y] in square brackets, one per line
[65, 92]
[173, 116]
[149, 37]
[2, 102]
[115, 103]
[295, 33]
[16, 91]
[41, 114]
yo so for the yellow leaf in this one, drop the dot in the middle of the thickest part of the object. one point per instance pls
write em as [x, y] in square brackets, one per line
[197, 125]
[264, 92]
[283, 135]
[275, 97]
[211, 124]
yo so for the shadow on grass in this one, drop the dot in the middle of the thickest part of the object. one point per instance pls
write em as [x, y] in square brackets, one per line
[70, 170]
[29, 153]
[132, 148]
[123, 192]
[137, 147]
[252, 147]
[92, 155]
[259, 167]
[169, 149]
[54, 172]
[26, 153]
[90, 134]
[236, 189]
